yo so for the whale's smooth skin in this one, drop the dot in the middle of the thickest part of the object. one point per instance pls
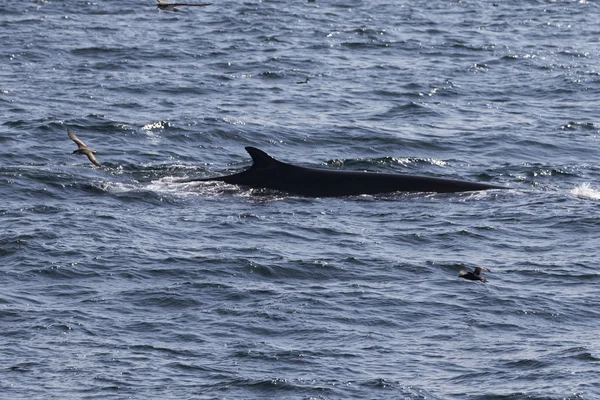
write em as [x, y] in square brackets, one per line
[269, 173]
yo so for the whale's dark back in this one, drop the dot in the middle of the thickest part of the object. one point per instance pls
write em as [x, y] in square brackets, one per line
[269, 173]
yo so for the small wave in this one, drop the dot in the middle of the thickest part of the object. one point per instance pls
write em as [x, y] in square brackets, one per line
[115, 187]
[160, 186]
[578, 125]
[585, 191]
[170, 186]
[156, 125]
[385, 161]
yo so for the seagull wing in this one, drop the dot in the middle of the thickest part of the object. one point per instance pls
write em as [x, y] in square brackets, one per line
[74, 138]
[92, 158]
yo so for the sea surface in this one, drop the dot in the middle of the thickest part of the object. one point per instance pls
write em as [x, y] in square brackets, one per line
[119, 282]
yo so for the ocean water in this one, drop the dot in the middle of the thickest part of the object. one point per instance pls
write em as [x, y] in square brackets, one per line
[119, 282]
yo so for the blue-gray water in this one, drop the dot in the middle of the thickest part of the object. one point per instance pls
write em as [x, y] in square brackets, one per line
[119, 282]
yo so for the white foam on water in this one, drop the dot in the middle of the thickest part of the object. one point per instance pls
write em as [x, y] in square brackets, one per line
[585, 191]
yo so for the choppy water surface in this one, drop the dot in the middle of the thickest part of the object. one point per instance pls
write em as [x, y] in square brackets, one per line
[120, 282]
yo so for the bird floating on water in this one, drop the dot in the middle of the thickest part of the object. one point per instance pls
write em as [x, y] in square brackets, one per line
[163, 5]
[305, 81]
[474, 275]
[82, 148]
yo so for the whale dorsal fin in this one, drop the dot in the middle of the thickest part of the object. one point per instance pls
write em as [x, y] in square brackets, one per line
[260, 159]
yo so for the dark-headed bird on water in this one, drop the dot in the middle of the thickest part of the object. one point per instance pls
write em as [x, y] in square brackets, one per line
[82, 148]
[474, 275]
[163, 5]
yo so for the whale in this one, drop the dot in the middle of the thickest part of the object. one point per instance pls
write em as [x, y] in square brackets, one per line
[164, 5]
[268, 173]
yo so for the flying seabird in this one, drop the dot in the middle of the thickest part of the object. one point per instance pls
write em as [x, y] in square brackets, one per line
[83, 149]
[475, 275]
[163, 5]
